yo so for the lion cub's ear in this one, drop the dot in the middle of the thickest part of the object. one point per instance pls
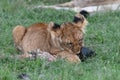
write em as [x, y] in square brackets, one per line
[53, 26]
[80, 20]
[54, 30]
[81, 17]
[50, 26]
[84, 13]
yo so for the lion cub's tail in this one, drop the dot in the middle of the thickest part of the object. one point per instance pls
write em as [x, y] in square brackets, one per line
[18, 34]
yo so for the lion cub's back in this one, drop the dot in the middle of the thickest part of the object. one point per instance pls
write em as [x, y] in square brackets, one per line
[37, 26]
[36, 38]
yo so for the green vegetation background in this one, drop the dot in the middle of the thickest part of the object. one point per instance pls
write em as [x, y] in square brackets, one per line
[102, 35]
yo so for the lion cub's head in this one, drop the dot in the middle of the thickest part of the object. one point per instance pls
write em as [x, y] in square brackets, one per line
[72, 33]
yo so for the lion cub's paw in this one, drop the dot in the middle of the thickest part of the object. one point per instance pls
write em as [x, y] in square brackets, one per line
[68, 56]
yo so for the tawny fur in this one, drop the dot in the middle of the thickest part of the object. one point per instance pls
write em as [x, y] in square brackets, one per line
[64, 42]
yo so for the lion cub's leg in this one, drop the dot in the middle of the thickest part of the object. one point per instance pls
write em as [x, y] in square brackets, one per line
[69, 56]
[18, 34]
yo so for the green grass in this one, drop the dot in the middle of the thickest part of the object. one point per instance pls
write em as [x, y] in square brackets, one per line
[102, 35]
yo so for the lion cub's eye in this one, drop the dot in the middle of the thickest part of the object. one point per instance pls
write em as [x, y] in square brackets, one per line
[70, 44]
[81, 40]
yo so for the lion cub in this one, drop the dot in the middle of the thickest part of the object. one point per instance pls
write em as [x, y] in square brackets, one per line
[63, 41]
